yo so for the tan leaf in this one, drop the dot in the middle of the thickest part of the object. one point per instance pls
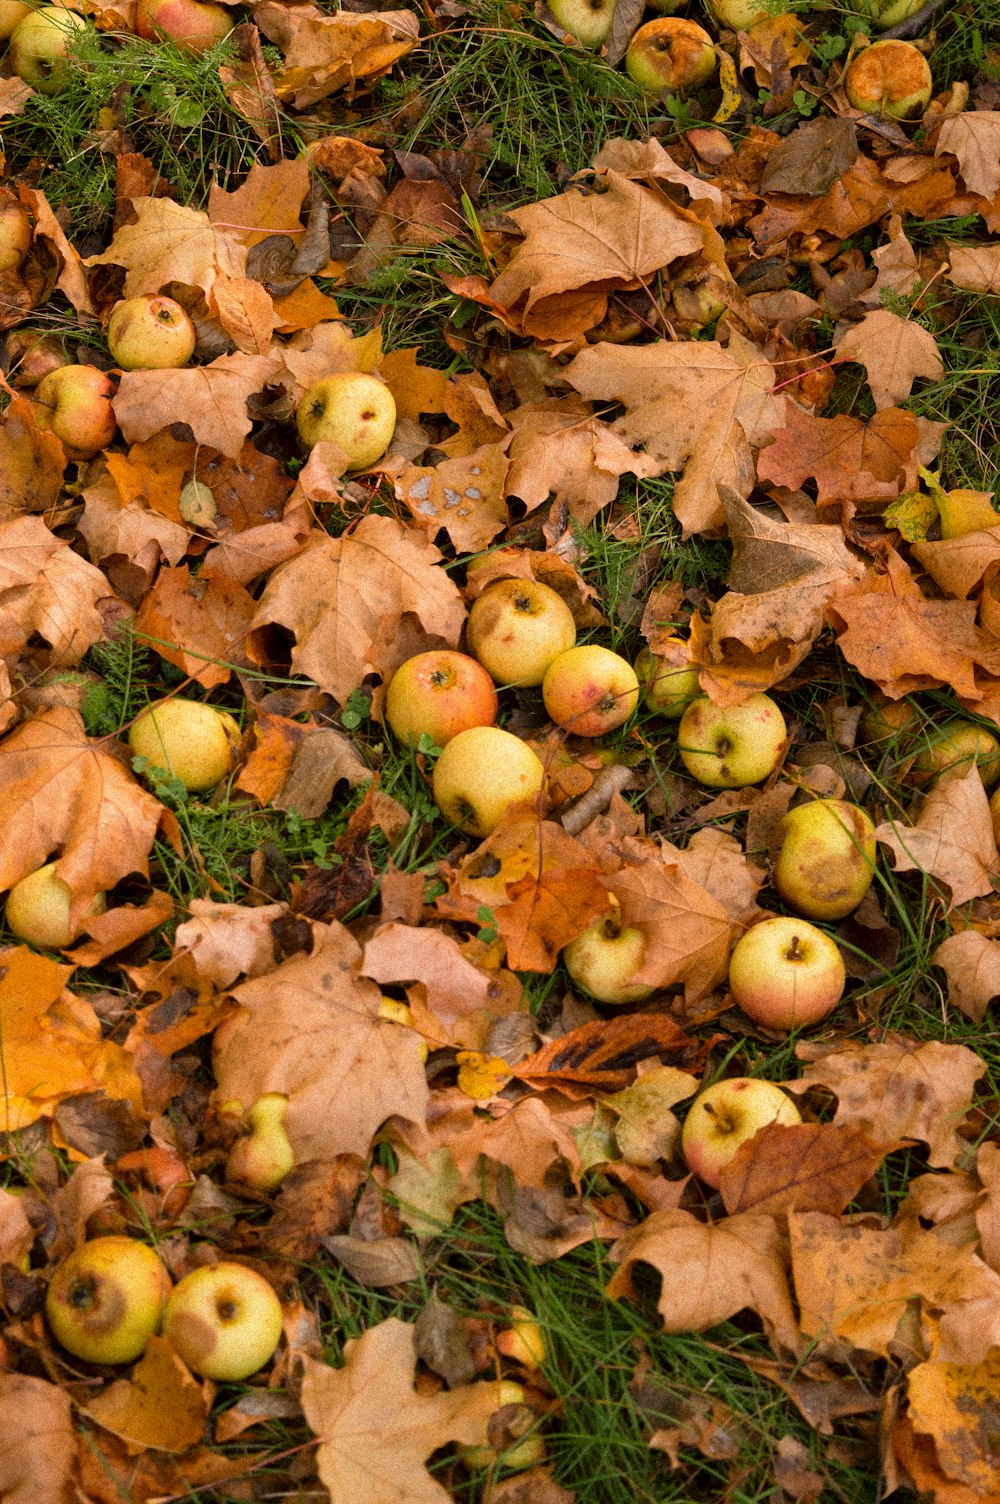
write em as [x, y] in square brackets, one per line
[803, 1167]
[343, 597]
[160, 1405]
[361, 1457]
[14, 96]
[37, 1458]
[199, 624]
[688, 929]
[952, 840]
[312, 1031]
[230, 940]
[717, 863]
[451, 986]
[32, 460]
[113, 525]
[974, 138]
[971, 963]
[954, 1404]
[212, 399]
[324, 53]
[898, 1089]
[46, 587]
[974, 267]
[170, 243]
[959, 564]
[849, 459]
[710, 1273]
[894, 352]
[606, 1051]
[559, 450]
[246, 313]
[528, 1139]
[650, 159]
[897, 266]
[268, 202]
[72, 279]
[464, 496]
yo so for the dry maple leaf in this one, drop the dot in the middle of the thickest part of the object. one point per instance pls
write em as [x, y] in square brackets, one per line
[464, 496]
[849, 459]
[804, 1167]
[649, 159]
[710, 1273]
[974, 267]
[113, 523]
[689, 930]
[952, 840]
[32, 461]
[268, 202]
[376, 1431]
[311, 1030]
[210, 399]
[958, 565]
[529, 1139]
[971, 963]
[39, 1450]
[894, 352]
[605, 1053]
[324, 53]
[450, 988]
[974, 138]
[46, 587]
[199, 624]
[955, 1405]
[559, 449]
[159, 1405]
[170, 243]
[230, 940]
[898, 1090]
[343, 597]
[63, 793]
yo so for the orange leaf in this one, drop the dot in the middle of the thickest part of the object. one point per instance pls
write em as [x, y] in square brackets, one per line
[805, 1167]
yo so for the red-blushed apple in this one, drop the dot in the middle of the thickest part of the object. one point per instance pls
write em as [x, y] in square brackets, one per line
[191, 741]
[670, 55]
[605, 958]
[669, 680]
[727, 1114]
[31, 355]
[351, 409]
[698, 302]
[728, 748]
[589, 21]
[522, 1342]
[951, 749]
[786, 974]
[15, 234]
[39, 45]
[74, 403]
[12, 13]
[106, 1300]
[263, 1157]
[438, 694]
[891, 79]
[519, 1446]
[826, 860]
[150, 333]
[38, 910]
[516, 628]
[481, 774]
[191, 26]
[590, 690]
[224, 1321]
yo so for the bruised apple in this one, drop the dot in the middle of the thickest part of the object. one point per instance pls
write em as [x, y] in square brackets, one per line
[590, 690]
[224, 1321]
[190, 25]
[517, 627]
[891, 79]
[74, 403]
[520, 1445]
[670, 55]
[950, 750]
[38, 910]
[438, 694]
[188, 739]
[263, 1157]
[826, 861]
[481, 774]
[727, 1114]
[351, 409]
[151, 333]
[107, 1299]
[785, 973]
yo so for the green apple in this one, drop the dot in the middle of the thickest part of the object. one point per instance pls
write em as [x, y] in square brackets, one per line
[481, 774]
[106, 1300]
[438, 694]
[38, 910]
[951, 749]
[891, 79]
[886, 13]
[192, 741]
[589, 21]
[264, 1156]
[727, 1114]
[826, 861]
[785, 973]
[516, 628]
[224, 1320]
[590, 690]
[668, 687]
[731, 747]
[605, 957]
[670, 55]
[740, 15]
[150, 333]
[353, 410]
[39, 45]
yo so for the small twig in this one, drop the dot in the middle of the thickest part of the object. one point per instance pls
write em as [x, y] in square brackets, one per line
[914, 25]
[607, 783]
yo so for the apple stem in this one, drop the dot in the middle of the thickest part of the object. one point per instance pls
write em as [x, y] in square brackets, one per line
[794, 952]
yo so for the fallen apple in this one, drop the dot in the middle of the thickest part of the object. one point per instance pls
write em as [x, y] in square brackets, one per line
[606, 956]
[891, 79]
[519, 1446]
[439, 694]
[150, 333]
[589, 21]
[590, 690]
[39, 47]
[224, 1320]
[191, 741]
[733, 746]
[826, 861]
[351, 409]
[15, 234]
[74, 403]
[191, 26]
[481, 774]
[670, 55]
[522, 1342]
[38, 910]
[668, 686]
[263, 1157]
[106, 1299]
[740, 15]
[786, 974]
[887, 13]
[886, 720]
[727, 1114]
[951, 749]
[516, 628]
[12, 13]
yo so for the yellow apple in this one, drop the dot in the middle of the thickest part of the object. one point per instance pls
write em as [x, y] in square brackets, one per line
[670, 55]
[891, 79]
[38, 910]
[481, 774]
[516, 628]
[887, 13]
[590, 690]
[150, 333]
[190, 740]
[525, 1448]
[522, 1341]
[668, 687]
[12, 13]
[15, 235]
[731, 747]
[727, 1114]
[74, 402]
[786, 974]
[826, 861]
[39, 45]
[951, 749]
[439, 694]
[353, 410]
[264, 1156]
[224, 1321]
[107, 1299]
[589, 21]
[605, 957]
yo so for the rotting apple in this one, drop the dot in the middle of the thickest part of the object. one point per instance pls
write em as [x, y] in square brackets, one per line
[438, 694]
[590, 690]
[516, 628]
[727, 1114]
[190, 25]
[263, 1157]
[150, 333]
[106, 1299]
[667, 687]
[731, 747]
[38, 910]
[606, 956]
[886, 719]
[826, 861]
[522, 1342]
[39, 47]
[891, 79]
[15, 234]
[190, 740]
[351, 409]
[670, 55]
[224, 1320]
[74, 403]
[786, 974]
[951, 749]
[588, 21]
[481, 774]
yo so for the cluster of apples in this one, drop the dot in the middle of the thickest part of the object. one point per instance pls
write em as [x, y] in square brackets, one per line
[188, 740]
[940, 752]
[672, 54]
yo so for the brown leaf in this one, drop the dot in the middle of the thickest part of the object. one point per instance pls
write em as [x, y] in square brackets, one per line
[814, 1167]
[971, 963]
[36, 1460]
[606, 1052]
[362, 1458]
[268, 201]
[250, 89]
[463, 496]
[46, 587]
[211, 399]
[32, 460]
[792, 1472]
[559, 450]
[323, 757]
[974, 267]
[229, 940]
[849, 459]
[974, 138]
[624, 23]
[958, 565]
[898, 1089]
[955, 1404]
[168, 242]
[952, 840]
[688, 930]
[197, 624]
[160, 1405]
[710, 1273]
[812, 157]
[894, 352]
